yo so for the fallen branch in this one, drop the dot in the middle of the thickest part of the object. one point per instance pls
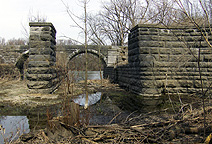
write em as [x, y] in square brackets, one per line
[114, 118]
[156, 124]
[104, 137]
[89, 141]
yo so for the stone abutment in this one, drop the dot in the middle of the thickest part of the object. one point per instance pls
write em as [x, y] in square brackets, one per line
[165, 60]
[41, 74]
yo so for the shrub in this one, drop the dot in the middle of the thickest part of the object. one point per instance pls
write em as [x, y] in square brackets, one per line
[9, 71]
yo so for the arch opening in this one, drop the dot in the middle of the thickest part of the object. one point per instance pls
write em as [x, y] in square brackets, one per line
[77, 53]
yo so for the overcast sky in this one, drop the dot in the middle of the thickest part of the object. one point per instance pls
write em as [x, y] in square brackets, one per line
[14, 15]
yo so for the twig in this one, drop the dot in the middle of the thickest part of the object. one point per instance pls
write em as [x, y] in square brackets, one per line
[165, 129]
[155, 124]
[104, 137]
[129, 116]
[143, 115]
[15, 136]
[90, 141]
[114, 118]
[45, 137]
[72, 128]
[37, 122]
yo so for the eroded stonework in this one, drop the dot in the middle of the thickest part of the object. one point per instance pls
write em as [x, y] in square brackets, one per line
[41, 74]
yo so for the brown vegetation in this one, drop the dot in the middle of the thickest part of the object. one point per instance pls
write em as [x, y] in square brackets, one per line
[158, 126]
[188, 124]
[9, 71]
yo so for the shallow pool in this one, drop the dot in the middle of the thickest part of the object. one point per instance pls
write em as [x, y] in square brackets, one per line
[12, 127]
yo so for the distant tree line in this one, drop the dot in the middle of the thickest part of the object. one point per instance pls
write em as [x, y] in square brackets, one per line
[23, 41]
[19, 41]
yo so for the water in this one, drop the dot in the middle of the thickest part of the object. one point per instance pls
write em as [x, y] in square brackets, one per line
[92, 75]
[12, 127]
[80, 75]
[16, 125]
[92, 99]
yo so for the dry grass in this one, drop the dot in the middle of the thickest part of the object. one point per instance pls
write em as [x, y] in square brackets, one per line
[152, 127]
[9, 71]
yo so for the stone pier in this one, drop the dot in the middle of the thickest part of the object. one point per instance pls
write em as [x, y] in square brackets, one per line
[165, 60]
[41, 73]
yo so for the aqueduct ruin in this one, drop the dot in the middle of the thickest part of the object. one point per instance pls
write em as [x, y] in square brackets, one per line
[157, 60]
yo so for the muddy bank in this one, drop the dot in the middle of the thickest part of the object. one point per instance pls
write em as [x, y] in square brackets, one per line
[15, 100]
[120, 117]
[151, 127]
[15, 92]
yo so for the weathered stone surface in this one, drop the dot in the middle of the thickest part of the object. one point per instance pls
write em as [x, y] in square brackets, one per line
[42, 51]
[156, 56]
[11, 53]
[38, 84]
[41, 44]
[40, 64]
[42, 58]
[160, 57]
[43, 91]
[151, 44]
[40, 70]
[41, 75]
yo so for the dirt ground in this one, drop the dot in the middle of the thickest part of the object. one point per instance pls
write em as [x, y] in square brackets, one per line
[15, 93]
[118, 118]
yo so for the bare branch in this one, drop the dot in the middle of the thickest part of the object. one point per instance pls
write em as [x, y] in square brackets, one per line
[71, 15]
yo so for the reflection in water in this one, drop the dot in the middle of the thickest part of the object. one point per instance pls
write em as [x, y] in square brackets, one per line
[17, 125]
[14, 126]
[92, 99]
[80, 75]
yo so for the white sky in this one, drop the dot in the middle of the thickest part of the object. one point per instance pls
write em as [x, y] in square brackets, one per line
[14, 15]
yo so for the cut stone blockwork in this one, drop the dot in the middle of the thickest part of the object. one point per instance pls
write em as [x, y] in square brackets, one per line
[157, 61]
[41, 73]
[165, 60]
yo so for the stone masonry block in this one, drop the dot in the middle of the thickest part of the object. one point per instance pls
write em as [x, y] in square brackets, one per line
[40, 70]
[42, 58]
[40, 64]
[41, 77]
[41, 51]
[38, 84]
[151, 44]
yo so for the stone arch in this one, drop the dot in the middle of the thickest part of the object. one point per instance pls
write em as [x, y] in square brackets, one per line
[91, 51]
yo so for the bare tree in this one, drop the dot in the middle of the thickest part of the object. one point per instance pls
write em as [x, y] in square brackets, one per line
[86, 53]
[163, 12]
[116, 19]
[36, 18]
[63, 42]
[95, 33]
[2, 41]
[85, 31]
[13, 41]
[18, 41]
